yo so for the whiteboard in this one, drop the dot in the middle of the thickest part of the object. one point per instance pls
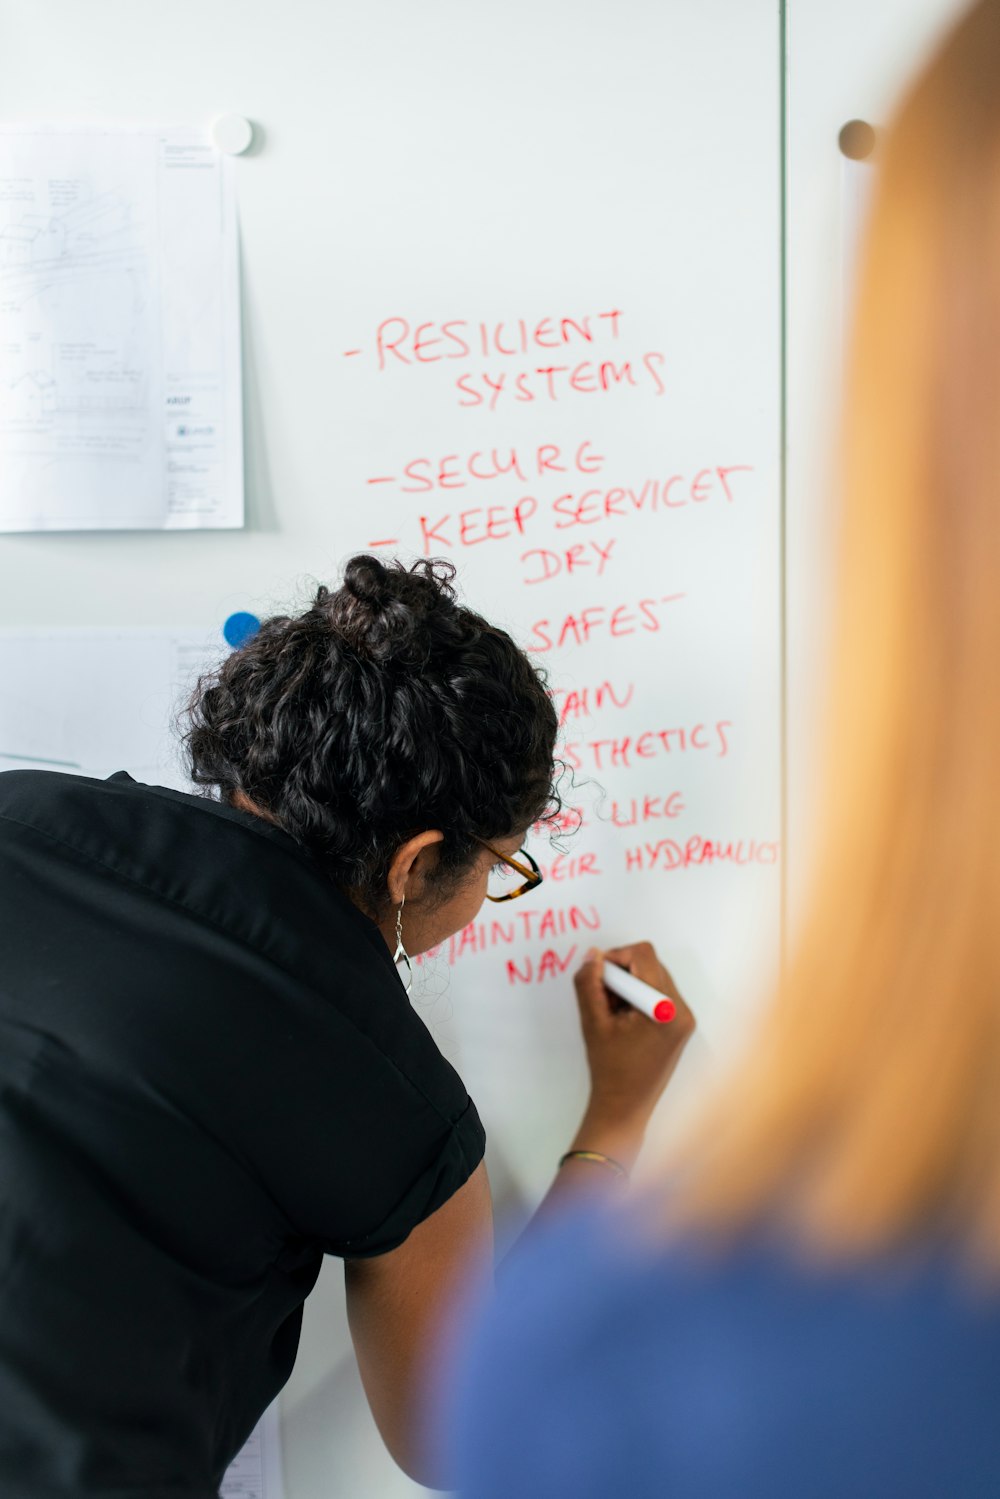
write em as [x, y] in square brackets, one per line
[511, 293]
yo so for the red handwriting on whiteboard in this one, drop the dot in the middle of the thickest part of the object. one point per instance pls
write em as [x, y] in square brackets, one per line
[616, 622]
[550, 965]
[622, 814]
[536, 925]
[621, 754]
[627, 814]
[570, 867]
[457, 470]
[541, 564]
[399, 340]
[567, 820]
[674, 493]
[581, 702]
[452, 529]
[400, 343]
[585, 507]
[472, 527]
[668, 854]
[553, 382]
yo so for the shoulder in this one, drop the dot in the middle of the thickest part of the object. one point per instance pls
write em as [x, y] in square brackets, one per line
[225, 868]
[215, 890]
[711, 1373]
[124, 822]
[193, 953]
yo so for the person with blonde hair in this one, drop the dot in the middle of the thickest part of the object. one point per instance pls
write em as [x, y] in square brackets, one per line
[817, 1310]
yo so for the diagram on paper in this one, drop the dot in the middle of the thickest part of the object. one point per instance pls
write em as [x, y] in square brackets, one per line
[118, 314]
[79, 321]
[81, 267]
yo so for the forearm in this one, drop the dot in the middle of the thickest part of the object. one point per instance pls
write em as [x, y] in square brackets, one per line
[631, 1061]
[581, 1180]
[398, 1304]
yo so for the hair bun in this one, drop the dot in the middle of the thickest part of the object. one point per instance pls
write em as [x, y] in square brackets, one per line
[365, 578]
[386, 612]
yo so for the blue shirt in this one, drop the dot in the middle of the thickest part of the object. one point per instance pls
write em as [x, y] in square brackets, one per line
[600, 1373]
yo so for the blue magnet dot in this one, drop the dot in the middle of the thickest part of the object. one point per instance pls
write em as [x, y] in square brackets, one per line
[239, 628]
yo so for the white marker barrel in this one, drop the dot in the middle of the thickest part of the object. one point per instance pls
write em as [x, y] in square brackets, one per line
[637, 993]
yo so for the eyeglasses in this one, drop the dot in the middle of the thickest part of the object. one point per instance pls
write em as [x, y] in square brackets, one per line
[511, 877]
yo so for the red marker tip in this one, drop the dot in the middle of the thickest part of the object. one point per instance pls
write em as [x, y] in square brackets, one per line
[664, 1011]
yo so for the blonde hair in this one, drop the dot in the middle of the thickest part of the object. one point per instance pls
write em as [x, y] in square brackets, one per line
[869, 1110]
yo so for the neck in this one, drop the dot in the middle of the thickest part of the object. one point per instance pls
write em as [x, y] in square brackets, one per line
[243, 803]
[386, 924]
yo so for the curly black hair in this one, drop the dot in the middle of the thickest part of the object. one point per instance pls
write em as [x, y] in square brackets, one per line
[385, 709]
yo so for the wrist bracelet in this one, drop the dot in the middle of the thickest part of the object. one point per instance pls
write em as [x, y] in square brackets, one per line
[599, 1159]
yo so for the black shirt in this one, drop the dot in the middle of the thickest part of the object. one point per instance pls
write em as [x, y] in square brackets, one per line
[210, 1075]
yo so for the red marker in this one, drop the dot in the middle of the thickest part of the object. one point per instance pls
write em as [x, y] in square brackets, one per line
[637, 993]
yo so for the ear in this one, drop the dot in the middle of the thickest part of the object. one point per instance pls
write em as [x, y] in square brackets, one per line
[409, 864]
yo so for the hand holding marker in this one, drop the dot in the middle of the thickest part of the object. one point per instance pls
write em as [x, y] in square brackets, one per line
[630, 1056]
[637, 993]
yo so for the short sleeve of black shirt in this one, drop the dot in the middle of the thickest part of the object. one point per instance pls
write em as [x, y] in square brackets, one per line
[211, 1074]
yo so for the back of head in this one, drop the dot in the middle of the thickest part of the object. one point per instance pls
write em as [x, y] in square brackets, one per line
[870, 1108]
[385, 709]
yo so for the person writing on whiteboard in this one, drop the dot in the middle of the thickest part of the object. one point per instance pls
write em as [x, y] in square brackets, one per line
[813, 1311]
[211, 1074]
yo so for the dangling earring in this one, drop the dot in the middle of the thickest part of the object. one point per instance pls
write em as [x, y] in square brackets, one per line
[401, 955]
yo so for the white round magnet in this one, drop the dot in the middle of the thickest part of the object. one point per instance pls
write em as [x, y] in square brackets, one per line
[232, 134]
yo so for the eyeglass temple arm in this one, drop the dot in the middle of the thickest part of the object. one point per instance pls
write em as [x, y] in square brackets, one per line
[529, 874]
